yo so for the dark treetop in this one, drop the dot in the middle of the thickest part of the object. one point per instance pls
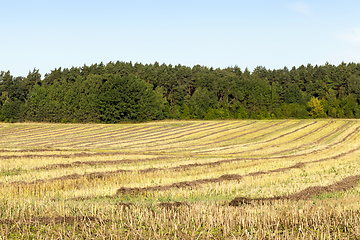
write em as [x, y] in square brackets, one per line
[120, 92]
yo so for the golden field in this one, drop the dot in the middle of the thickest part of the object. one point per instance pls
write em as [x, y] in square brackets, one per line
[249, 179]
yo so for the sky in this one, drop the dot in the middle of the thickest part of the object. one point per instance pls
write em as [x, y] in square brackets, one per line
[48, 34]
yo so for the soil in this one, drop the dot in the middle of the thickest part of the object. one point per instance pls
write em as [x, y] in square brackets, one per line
[124, 205]
[171, 205]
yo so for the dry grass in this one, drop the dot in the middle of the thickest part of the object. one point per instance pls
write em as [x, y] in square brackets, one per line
[175, 180]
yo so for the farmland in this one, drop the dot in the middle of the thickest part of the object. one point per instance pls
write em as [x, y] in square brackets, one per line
[246, 179]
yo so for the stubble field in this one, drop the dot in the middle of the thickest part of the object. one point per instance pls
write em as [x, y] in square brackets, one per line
[273, 179]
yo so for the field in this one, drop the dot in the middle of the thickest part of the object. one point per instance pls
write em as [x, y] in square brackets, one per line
[250, 179]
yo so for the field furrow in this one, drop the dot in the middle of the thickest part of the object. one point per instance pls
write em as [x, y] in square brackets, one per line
[75, 170]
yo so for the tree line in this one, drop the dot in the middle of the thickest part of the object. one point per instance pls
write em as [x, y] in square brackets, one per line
[123, 91]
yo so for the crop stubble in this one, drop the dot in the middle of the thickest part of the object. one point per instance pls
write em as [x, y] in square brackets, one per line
[179, 132]
[288, 146]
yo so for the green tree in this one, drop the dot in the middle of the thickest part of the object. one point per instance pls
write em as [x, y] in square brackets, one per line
[241, 113]
[186, 112]
[200, 102]
[127, 99]
[293, 94]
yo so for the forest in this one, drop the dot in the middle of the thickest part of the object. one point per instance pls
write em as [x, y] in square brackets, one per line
[128, 92]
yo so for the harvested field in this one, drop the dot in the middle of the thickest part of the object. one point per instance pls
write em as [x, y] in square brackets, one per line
[270, 179]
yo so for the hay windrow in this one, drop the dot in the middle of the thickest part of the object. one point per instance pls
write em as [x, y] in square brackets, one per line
[343, 185]
[181, 179]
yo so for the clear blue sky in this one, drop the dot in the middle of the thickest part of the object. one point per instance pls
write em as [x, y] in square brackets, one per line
[49, 34]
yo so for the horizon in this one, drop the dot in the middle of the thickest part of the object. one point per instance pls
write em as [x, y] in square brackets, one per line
[242, 69]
